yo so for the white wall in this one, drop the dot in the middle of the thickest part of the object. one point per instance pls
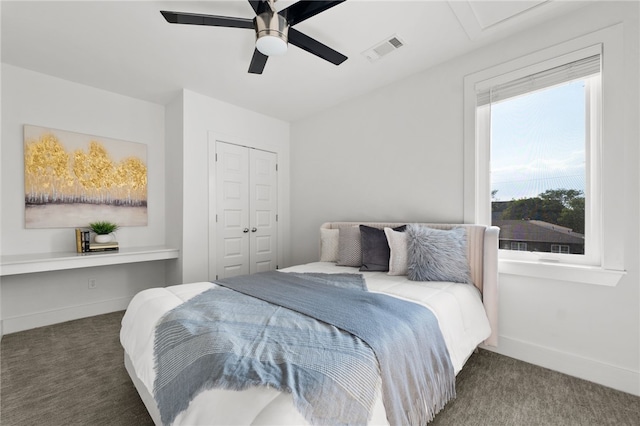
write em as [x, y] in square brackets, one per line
[393, 155]
[38, 99]
[397, 154]
[1, 331]
[178, 190]
[33, 98]
[174, 117]
[206, 118]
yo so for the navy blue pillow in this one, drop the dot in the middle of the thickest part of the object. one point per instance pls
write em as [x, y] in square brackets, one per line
[375, 248]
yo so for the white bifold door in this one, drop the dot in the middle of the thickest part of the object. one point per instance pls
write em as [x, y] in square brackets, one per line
[246, 210]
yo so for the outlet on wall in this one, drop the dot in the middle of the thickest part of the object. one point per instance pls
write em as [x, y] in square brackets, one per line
[93, 283]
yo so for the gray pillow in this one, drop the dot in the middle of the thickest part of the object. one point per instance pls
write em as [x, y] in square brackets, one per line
[437, 255]
[375, 248]
[349, 248]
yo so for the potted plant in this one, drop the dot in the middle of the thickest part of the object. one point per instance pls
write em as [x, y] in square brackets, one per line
[103, 231]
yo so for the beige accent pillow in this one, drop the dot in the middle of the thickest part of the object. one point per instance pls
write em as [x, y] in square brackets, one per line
[398, 245]
[329, 245]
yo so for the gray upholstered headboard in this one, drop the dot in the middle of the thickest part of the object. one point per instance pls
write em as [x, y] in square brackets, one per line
[482, 253]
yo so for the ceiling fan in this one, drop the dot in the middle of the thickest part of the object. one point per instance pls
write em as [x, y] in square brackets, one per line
[273, 29]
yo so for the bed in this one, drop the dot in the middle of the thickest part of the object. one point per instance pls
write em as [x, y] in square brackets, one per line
[466, 315]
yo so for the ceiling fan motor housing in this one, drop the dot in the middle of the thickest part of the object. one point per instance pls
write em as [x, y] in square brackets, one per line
[269, 24]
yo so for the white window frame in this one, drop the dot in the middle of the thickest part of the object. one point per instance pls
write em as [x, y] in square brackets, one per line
[605, 219]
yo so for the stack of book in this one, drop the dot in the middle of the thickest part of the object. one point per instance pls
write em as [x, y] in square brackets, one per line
[111, 246]
[85, 245]
[82, 240]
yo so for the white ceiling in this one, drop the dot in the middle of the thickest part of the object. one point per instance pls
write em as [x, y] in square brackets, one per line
[127, 47]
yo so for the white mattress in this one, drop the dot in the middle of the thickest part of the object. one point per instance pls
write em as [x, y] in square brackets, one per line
[458, 308]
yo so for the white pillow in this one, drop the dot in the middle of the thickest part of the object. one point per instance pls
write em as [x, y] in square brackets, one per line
[329, 245]
[398, 245]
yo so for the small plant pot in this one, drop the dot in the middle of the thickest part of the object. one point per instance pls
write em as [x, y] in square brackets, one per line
[103, 238]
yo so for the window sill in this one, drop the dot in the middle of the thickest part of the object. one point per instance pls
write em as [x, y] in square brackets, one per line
[562, 272]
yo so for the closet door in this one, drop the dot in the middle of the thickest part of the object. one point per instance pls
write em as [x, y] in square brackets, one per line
[246, 210]
[232, 200]
[263, 208]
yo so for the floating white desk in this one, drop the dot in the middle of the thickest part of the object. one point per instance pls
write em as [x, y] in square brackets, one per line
[43, 262]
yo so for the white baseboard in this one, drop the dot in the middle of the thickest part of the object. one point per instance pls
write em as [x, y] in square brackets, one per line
[584, 368]
[40, 319]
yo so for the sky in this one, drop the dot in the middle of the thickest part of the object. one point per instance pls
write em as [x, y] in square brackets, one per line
[538, 142]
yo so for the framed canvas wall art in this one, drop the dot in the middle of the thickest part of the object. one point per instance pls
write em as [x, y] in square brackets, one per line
[72, 179]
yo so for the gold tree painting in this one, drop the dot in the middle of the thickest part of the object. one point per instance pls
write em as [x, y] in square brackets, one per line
[72, 179]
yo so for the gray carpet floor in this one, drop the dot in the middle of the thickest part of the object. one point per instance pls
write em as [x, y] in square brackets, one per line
[73, 374]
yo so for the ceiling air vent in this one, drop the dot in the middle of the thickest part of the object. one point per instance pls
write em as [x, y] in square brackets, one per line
[383, 49]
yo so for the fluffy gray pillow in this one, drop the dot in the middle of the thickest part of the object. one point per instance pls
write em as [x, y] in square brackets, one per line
[349, 247]
[437, 255]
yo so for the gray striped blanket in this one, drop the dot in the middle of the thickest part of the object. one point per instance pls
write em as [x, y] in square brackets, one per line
[223, 339]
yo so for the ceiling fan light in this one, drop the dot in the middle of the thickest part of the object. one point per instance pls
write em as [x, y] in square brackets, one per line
[272, 32]
[271, 45]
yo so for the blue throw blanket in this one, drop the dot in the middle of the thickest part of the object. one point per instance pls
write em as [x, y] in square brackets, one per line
[319, 364]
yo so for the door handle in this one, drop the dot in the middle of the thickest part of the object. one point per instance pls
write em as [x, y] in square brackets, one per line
[245, 230]
[254, 229]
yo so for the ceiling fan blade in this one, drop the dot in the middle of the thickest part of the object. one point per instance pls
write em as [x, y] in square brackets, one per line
[259, 6]
[210, 20]
[258, 61]
[305, 9]
[315, 47]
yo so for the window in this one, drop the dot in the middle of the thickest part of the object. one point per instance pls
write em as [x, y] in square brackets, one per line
[518, 246]
[601, 255]
[538, 131]
[559, 248]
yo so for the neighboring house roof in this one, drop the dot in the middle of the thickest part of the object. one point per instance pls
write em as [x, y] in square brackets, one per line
[537, 230]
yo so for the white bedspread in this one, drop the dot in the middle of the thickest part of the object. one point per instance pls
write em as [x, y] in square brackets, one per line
[458, 308]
